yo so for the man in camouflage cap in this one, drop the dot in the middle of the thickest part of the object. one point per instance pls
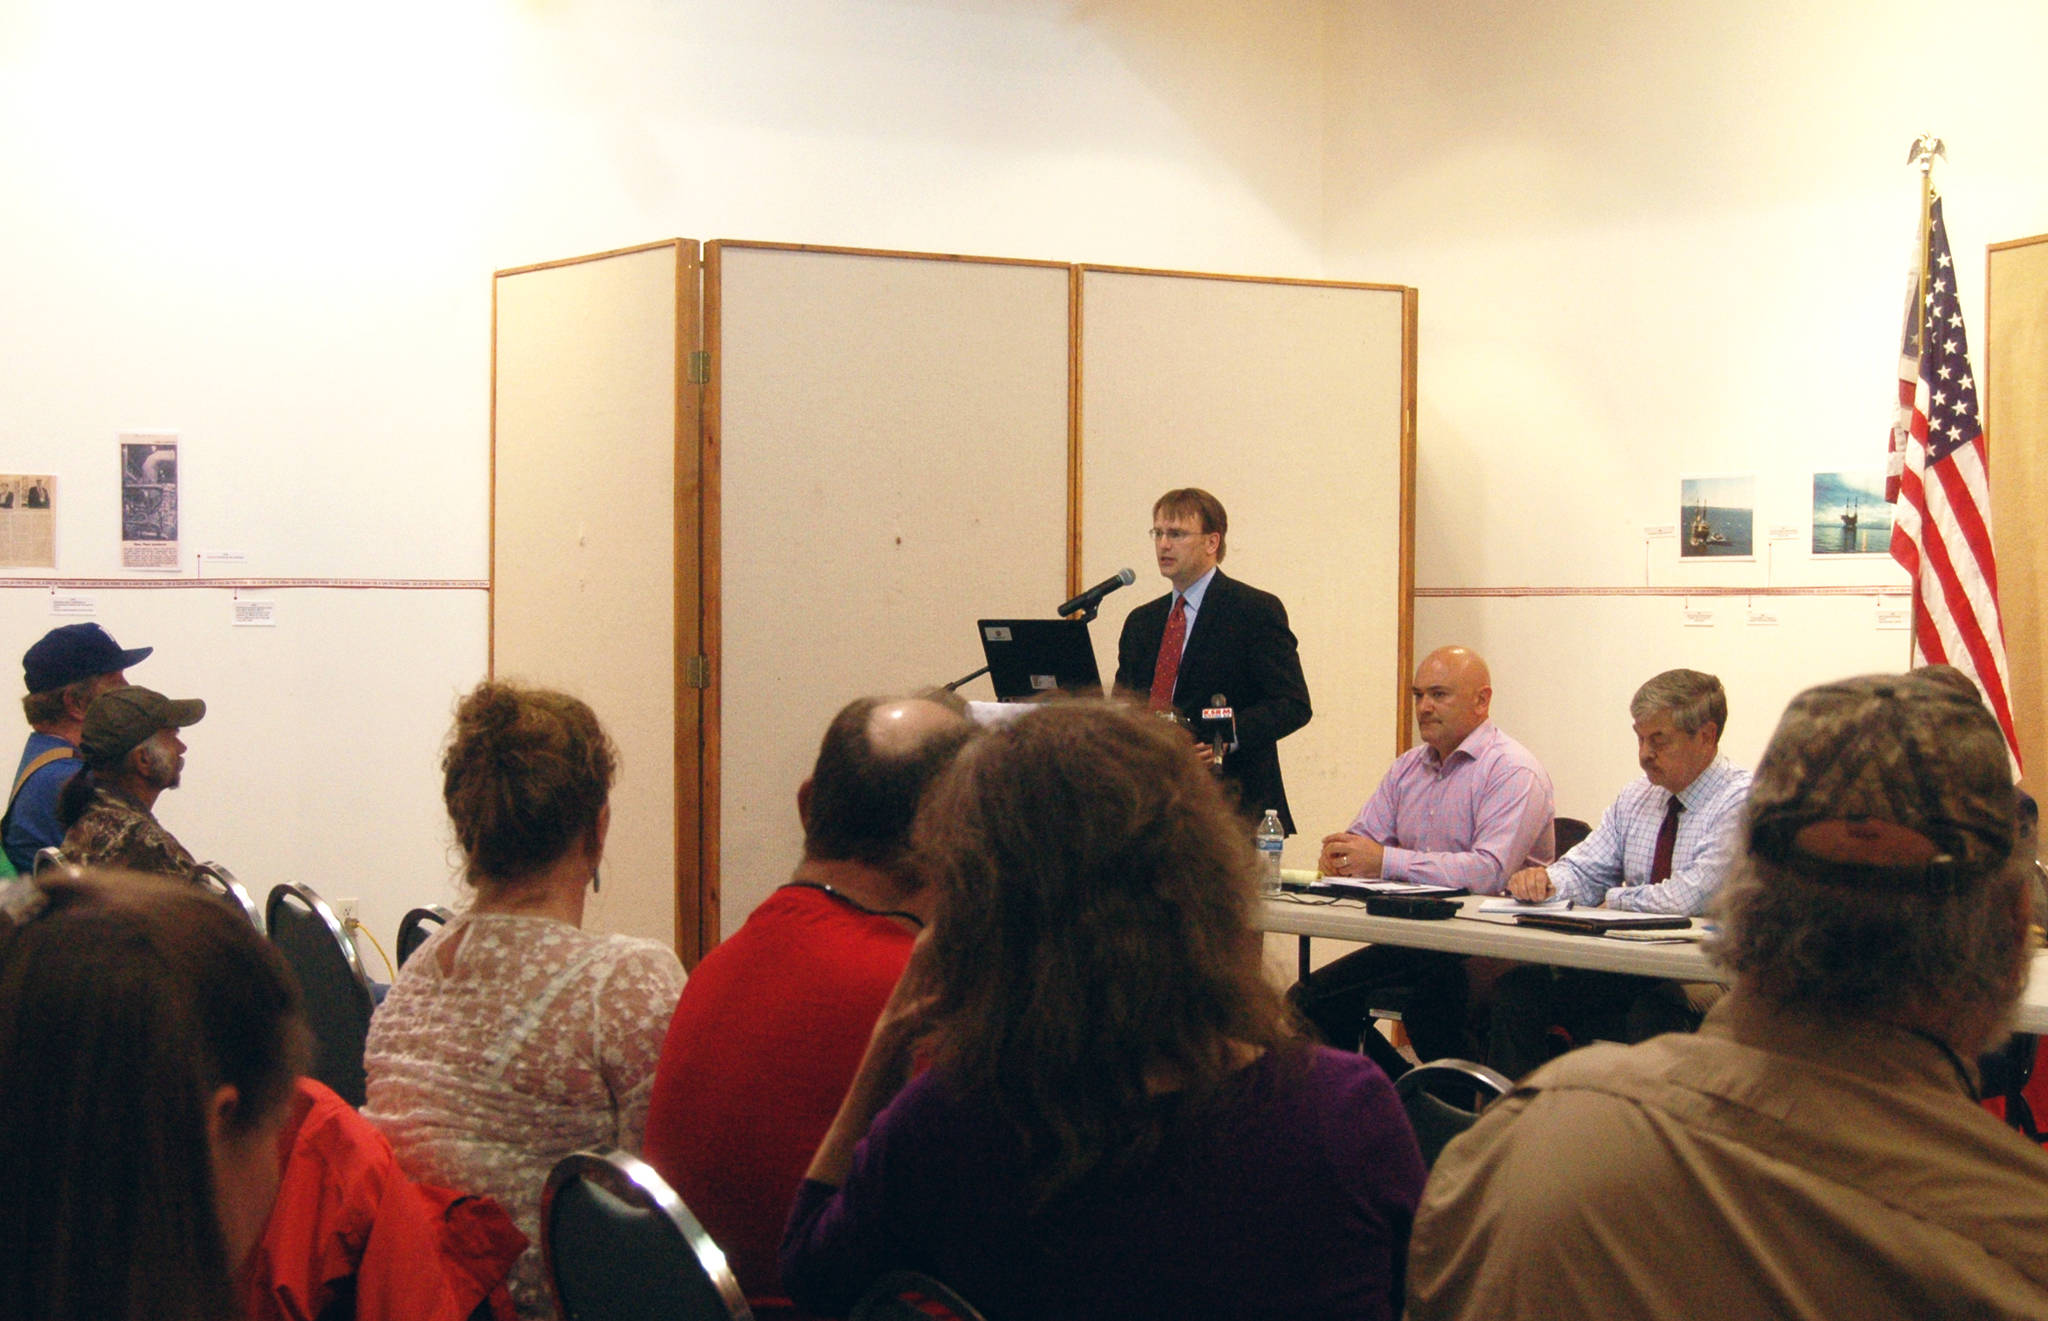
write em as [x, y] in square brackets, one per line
[1816, 1149]
[132, 753]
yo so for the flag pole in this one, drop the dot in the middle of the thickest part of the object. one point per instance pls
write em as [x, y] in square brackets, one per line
[1922, 153]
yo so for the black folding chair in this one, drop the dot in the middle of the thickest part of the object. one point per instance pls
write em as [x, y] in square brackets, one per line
[621, 1246]
[911, 1296]
[2006, 1072]
[1426, 1091]
[417, 925]
[331, 977]
[48, 858]
[1570, 833]
[223, 883]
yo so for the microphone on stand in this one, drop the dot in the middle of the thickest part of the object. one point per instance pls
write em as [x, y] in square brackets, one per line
[1092, 598]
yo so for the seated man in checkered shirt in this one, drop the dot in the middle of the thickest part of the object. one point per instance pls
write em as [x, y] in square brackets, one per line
[1664, 846]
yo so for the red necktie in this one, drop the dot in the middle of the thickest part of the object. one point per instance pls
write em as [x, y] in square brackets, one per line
[1667, 839]
[1166, 672]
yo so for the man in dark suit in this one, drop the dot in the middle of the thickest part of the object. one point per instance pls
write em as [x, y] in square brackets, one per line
[1214, 635]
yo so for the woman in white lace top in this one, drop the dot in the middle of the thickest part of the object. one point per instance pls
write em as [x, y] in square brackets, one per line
[513, 1037]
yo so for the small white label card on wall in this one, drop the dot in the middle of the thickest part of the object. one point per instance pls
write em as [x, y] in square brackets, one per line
[255, 614]
[224, 563]
[1700, 616]
[1762, 617]
[1894, 613]
[71, 603]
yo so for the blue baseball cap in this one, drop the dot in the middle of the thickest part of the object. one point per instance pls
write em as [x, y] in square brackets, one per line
[74, 652]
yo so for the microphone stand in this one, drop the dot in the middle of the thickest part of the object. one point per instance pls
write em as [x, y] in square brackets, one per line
[966, 678]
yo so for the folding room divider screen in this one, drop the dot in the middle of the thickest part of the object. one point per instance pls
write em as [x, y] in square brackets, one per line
[2016, 428]
[877, 449]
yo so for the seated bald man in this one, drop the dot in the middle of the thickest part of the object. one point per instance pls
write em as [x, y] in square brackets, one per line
[1465, 808]
[772, 1023]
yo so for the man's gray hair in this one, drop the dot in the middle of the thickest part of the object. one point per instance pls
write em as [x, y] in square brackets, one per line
[1873, 953]
[1689, 697]
[1878, 878]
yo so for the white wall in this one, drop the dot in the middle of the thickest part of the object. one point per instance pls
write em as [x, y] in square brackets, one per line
[1652, 240]
[272, 229]
[1648, 239]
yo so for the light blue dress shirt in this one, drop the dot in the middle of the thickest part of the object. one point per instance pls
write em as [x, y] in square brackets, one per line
[1613, 864]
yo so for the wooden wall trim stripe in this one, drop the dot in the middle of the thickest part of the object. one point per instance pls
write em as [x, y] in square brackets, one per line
[244, 584]
[1680, 591]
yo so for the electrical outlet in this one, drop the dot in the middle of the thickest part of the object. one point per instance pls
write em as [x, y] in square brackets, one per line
[347, 911]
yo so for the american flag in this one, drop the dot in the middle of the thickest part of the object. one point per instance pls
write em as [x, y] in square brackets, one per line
[1938, 480]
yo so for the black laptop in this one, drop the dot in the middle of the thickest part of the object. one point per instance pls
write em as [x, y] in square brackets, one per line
[1030, 658]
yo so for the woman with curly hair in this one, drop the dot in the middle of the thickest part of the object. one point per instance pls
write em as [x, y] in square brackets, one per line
[512, 1037]
[1119, 1118]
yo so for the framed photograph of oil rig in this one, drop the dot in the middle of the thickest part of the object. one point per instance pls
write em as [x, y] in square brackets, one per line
[1717, 517]
[1850, 516]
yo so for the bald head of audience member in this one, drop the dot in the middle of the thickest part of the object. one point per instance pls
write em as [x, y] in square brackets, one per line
[1453, 693]
[861, 797]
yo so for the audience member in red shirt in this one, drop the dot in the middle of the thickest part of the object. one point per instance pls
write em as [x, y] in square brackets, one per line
[772, 1023]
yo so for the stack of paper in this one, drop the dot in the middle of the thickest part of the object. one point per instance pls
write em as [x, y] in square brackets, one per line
[1508, 904]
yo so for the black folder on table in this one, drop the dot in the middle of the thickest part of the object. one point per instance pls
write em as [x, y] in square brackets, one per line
[1030, 658]
[1600, 921]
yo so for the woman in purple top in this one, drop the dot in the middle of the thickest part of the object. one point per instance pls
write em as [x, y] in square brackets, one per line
[1119, 1118]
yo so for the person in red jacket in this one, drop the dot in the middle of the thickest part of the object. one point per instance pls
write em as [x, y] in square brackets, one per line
[772, 1023]
[350, 1229]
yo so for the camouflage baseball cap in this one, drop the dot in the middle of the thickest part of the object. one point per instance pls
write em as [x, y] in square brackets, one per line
[1891, 781]
[120, 721]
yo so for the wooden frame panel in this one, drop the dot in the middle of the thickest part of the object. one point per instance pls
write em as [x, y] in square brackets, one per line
[2016, 430]
[892, 432]
[1293, 401]
[890, 445]
[594, 498]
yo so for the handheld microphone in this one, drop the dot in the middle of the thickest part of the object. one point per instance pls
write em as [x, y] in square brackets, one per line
[1092, 598]
[1222, 723]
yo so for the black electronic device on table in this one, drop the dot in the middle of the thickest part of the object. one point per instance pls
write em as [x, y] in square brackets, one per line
[1598, 922]
[1425, 907]
[1029, 658]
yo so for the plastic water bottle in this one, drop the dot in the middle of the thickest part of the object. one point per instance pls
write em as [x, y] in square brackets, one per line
[1269, 839]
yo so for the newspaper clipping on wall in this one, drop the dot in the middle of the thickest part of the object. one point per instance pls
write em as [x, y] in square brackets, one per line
[149, 500]
[28, 521]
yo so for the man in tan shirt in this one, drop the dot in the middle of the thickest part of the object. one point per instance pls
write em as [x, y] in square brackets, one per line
[1816, 1149]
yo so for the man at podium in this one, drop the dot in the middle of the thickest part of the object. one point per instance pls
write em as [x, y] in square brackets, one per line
[1214, 637]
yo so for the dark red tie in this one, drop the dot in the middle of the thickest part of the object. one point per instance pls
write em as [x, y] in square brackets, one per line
[1166, 671]
[1667, 840]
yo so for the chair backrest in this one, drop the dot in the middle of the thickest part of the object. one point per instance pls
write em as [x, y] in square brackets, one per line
[2003, 1075]
[337, 992]
[1435, 1118]
[223, 883]
[416, 926]
[1570, 832]
[911, 1296]
[618, 1243]
[47, 858]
